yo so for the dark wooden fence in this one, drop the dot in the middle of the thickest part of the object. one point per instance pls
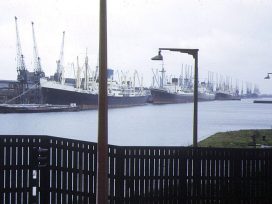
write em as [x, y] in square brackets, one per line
[50, 170]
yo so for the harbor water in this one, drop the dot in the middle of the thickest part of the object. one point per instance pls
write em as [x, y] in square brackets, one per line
[148, 125]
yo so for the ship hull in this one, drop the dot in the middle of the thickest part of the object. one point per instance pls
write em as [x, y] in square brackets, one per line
[160, 96]
[87, 100]
[206, 96]
[226, 96]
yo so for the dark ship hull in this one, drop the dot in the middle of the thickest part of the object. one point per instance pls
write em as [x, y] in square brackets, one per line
[87, 100]
[160, 96]
[226, 96]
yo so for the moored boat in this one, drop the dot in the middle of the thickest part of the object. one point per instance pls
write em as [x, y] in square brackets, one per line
[36, 108]
[164, 96]
[180, 90]
[119, 95]
[220, 95]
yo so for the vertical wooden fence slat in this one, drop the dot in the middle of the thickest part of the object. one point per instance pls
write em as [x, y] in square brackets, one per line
[183, 174]
[13, 170]
[119, 176]
[2, 172]
[53, 170]
[26, 170]
[94, 153]
[174, 179]
[142, 175]
[65, 172]
[155, 171]
[161, 172]
[111, 172]
[203, 173]
[8, 165]
[58, 171]
[147, 178]
[85, 175]
[131, 174]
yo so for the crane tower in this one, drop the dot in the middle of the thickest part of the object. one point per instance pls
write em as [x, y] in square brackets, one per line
[22, 73]
[59, 73]
[21, 68]
[38, 72]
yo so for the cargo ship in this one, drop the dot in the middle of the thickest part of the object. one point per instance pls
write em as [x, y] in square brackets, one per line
[36, 88]
[179, 90]
[119, 95]
[164, 96]
[220, 95]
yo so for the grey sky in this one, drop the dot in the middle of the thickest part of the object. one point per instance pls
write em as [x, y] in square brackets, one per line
[234, 36]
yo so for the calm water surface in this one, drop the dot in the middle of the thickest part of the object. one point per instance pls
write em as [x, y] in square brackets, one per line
[145, 125]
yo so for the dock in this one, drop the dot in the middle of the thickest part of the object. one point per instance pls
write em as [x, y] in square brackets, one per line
[262, 101]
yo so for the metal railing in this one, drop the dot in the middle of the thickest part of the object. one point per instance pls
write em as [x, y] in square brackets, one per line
[51, 170]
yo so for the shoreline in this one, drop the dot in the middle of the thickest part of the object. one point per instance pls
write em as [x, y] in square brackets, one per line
[252, 138]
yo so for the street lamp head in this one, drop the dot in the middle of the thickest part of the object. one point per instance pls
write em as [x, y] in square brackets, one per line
[267, 77]
[158, 57]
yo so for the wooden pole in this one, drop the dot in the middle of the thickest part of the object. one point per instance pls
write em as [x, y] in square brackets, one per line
[102, 144]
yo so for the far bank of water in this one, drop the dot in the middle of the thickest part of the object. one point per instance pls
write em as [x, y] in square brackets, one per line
[152, 125]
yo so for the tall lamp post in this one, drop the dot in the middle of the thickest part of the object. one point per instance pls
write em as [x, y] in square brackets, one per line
[102, 142]
[194, 53]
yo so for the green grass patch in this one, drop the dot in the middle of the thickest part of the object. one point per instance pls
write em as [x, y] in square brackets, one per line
[239, 139]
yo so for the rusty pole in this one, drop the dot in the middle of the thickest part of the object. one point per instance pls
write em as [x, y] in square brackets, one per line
[102, 143]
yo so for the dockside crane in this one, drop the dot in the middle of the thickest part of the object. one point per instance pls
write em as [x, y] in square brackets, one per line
[22, 72]
[21, 68]
[38, 72]
[60, 69]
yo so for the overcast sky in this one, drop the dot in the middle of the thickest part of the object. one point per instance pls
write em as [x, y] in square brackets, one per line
[234, 37]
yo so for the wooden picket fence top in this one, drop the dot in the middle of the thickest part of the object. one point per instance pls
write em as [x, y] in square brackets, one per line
[66, 173]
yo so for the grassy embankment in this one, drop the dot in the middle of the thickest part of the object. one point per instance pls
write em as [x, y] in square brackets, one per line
[239, 139]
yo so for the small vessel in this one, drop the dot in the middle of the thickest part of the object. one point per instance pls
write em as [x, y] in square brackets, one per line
[36, 108]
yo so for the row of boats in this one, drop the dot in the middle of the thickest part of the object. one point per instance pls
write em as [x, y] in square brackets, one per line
[124, 93]
[57, 92]
[121, 93]
[58, 95]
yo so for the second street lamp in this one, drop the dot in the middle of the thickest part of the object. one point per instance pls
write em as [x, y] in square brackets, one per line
[268, 76]
[194, 53]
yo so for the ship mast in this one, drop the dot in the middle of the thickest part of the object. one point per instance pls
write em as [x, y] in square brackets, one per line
[78, 76]
[86, 80]
[162, 76]
[59, 74]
